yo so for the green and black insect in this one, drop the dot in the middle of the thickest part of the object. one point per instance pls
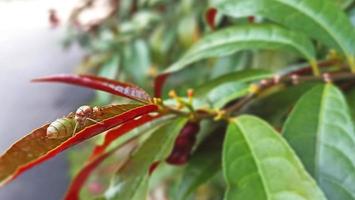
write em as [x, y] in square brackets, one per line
[67, 126]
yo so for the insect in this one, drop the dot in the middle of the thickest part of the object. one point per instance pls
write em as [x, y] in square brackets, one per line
[67, 126]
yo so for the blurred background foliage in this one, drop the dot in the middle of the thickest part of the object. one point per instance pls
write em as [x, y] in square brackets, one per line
[134, 40]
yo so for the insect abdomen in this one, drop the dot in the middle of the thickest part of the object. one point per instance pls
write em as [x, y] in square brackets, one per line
[61, 128]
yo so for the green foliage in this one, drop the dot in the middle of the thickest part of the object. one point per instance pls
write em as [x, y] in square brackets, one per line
[203, 165]
[320, 19]
[286, 36]
[241, 77]
[132, 178]
[325, 140]
[259, 164]
[241, 37]
[265, 107]
[242, 71]
[225, 93]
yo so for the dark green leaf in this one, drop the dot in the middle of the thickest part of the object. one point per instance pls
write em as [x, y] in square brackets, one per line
[241, 37]
[321, 19]
[259, 164]
[351, 101]
[276, 104]
[320, 130]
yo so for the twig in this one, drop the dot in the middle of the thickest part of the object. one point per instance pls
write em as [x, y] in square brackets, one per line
[289, 79]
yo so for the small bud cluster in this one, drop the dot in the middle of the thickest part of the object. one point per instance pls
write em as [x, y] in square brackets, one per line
[181, 103]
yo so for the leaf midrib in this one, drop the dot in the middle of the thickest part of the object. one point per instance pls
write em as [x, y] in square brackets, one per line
[262, 178]
[321, 121]
[285, 42]
[319, 131]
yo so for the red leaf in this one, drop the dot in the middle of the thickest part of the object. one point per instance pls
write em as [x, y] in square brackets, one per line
[81, 177]
[113, 134]
[159, 84]
[153, 167]
[99, 155]
[184, 144]
[251, 19]
[99, 83]
[36, 147]
[210, 17]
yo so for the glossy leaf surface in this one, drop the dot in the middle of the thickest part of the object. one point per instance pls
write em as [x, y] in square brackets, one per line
[324, 139]
[230, 40]
[99, 83]
[259, 164]
[321, 19]
[225, 93]
[36, 147]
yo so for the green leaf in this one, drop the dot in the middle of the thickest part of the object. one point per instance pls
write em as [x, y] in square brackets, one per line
[227, 92]
[324, 139]
[344, 3]
[203, 164]
[259, 164]
[274, 59]
[229, 64]
[136, 61]
[351, 101]
[243, 76]
[321, 19]
[187, 30]
[142, 191]
[108, 70]
[156, 148]
[241, 37]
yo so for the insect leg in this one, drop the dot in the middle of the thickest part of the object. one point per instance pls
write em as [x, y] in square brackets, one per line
[75, 127]
[94, 121]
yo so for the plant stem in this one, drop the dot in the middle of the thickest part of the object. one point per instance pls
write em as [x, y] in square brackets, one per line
[293, 78]
[289, 80]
